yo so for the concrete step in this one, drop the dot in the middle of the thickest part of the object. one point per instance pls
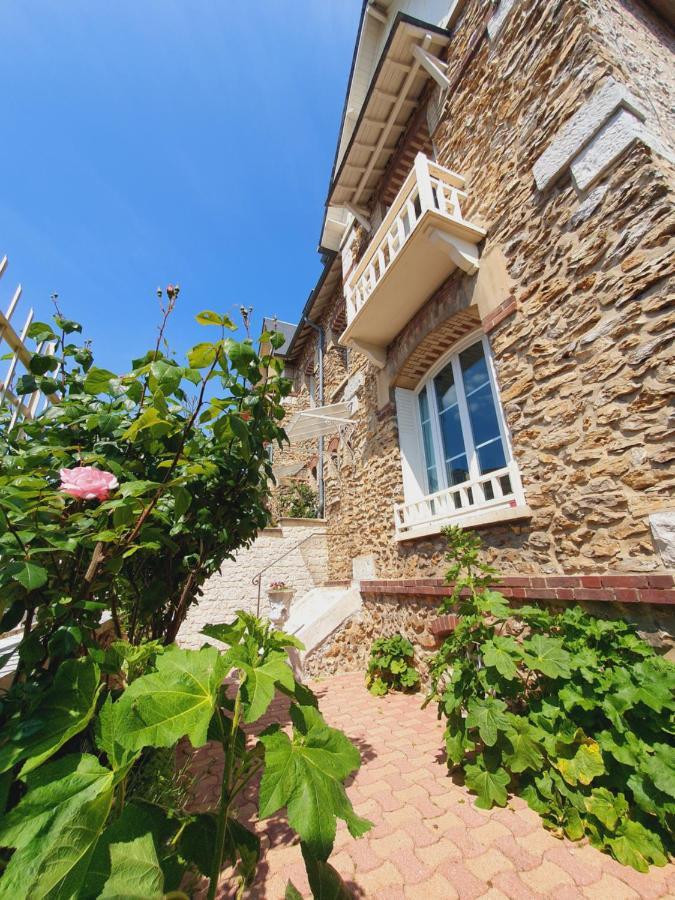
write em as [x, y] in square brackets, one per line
[317, 614]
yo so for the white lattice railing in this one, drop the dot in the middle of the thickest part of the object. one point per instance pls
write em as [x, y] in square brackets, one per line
[23, 407]
[498, 490]
[427, 187]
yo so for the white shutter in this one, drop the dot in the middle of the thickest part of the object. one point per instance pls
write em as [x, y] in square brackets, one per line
[410, 444]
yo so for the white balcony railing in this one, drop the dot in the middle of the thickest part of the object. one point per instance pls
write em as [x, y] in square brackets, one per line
[428, 187]
[480, 497]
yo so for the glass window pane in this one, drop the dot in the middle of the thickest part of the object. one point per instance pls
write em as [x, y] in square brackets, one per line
[482, 411]
[474, 367]
[491, 457]
[429, 455]
[454, 449]
[458, 470]
[482, 415]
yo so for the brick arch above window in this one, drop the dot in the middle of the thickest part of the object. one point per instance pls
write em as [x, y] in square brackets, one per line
[433, 345]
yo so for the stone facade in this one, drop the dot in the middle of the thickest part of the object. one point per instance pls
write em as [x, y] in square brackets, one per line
[301, 568]
[578, 310]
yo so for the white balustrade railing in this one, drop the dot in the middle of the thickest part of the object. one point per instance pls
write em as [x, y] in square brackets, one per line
[499, 489]
[427, 187]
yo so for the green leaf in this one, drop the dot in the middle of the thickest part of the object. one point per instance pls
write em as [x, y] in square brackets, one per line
[27, 574]
[55, 827]
[609, 808]
[546, 654]
[489, 717]
[292, 893]
[135, 871]
[177, 700]
[148, 419]
[181, 500]
[636, 846]
[258, 688]
[26, 384]
[208, 317]
[202, 355]
[40, 331]
[579, 762]
[306, 774]
[98, 381]
[167, 376]
[502, 653]
[489, 785]
[661, 768]
[325, 882]
[197, 841]
[40, 365]
[106, 733]
[526, 751]
[67, 325]
[64, 711]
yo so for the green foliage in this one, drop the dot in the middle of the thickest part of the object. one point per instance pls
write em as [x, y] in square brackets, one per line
[91, 804]
[575, 714]
[390, 666]
[297, 500]
[110, 820]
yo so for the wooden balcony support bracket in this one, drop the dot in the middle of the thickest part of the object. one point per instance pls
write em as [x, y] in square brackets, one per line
[433, 65]
[361, 215]
[463, 253]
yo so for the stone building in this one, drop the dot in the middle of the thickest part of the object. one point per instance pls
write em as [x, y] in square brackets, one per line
[490, 343]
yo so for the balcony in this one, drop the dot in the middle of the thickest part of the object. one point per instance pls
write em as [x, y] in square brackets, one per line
[421, 241]
[495, 497]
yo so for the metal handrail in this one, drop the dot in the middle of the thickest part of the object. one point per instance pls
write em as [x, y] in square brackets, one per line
[257, 579]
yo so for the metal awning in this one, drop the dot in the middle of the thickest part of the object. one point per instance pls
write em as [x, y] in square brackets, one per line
[319, 420]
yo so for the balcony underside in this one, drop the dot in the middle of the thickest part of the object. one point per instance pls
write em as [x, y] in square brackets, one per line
[437, 246]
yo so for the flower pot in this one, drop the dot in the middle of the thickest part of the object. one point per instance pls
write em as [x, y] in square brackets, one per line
[279, 605]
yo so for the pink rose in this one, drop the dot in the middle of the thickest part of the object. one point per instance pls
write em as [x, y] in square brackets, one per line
[87, 483]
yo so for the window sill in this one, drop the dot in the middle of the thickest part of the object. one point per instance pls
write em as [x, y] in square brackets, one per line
[481, 518]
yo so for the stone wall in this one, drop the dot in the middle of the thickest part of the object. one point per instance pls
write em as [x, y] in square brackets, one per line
[303, 568]
[583, 344]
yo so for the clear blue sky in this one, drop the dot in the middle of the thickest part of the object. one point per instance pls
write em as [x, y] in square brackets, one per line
[156, 141]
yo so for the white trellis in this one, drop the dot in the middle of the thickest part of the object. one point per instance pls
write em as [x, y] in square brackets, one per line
[28, 406]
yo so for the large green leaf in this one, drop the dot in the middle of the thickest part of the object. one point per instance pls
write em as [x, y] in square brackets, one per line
[579, 762]
[64, 711]
[306, 774]
[135, 871]
[176, 700]
[258, 688]
[489, 717]
[523, 750]
[502, 653]
[27, 574]
[661, 768]
[55, 828]
[490, 785]
[325, 881]
[609, 808]
[546, 655]
[636, 846]
[107, 738]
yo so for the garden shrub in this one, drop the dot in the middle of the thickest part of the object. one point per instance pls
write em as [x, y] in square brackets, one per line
[572, 712]
[390, 666]
[297, 500]
[163, 474]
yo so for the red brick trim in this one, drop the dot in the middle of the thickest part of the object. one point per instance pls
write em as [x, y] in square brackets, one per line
[498, 315]
[654, 589]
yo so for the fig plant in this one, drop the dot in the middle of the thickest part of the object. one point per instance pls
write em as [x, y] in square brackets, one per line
[573, 712]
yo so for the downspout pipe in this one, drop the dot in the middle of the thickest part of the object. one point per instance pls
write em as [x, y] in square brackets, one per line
[319, 469]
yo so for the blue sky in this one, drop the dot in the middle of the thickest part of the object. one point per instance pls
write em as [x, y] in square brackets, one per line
[156, 141]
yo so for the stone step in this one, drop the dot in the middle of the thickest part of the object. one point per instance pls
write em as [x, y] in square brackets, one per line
[317, 614]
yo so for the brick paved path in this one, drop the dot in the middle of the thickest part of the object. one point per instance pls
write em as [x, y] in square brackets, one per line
[429, 841]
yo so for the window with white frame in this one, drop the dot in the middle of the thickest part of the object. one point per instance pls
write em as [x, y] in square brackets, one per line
[455, 450]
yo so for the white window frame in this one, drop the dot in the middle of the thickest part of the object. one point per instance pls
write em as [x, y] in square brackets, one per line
[439, 451]
[419, 515]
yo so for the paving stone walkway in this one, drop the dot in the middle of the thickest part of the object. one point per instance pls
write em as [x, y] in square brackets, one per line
[429, 841]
